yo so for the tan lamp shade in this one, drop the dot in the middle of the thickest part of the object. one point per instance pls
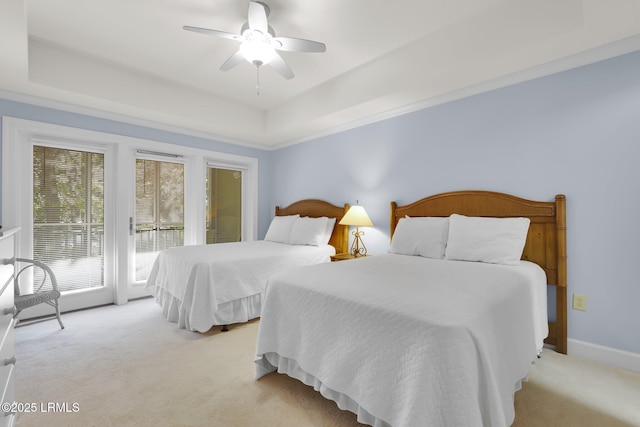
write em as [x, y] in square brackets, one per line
[356, 215]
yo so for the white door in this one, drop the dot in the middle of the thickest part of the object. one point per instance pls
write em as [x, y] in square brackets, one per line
[159, 221]
[70, 221]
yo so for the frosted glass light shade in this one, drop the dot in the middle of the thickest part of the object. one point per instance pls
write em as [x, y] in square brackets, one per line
[257, 52]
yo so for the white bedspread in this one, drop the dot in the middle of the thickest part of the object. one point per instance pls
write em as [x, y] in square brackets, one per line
[405, 340]
[195, 284]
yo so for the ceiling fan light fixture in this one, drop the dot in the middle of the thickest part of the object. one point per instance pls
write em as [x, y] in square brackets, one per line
[259, 44]
[257, 52]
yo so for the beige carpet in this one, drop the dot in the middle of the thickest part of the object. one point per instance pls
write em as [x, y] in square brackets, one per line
[127, 366]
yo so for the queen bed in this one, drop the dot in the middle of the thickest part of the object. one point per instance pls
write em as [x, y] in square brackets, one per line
[422, 335]
[203, 286]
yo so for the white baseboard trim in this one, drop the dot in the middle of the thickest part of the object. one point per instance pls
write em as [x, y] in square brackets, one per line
[607, 355]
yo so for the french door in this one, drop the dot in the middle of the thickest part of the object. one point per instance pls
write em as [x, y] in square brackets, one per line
[159, 212]
[71, 218]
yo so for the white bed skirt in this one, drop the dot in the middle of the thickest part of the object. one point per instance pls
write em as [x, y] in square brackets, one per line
[271, 362]
[236, 311]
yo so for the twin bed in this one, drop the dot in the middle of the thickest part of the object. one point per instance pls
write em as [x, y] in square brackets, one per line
[422, 337]
[203, 286]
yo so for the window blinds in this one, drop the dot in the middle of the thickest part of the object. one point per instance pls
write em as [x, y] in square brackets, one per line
[68, 215]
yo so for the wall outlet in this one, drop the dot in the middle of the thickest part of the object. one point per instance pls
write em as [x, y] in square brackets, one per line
[579, 302]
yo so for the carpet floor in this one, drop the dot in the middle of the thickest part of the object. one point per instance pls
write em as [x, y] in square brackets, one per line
[128, 366]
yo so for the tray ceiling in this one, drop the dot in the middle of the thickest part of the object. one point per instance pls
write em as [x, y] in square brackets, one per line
[132, 61]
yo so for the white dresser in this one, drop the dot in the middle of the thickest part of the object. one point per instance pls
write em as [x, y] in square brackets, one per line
[7, 352]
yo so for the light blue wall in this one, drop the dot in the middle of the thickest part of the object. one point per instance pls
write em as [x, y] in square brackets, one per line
[48, 115]
[576, 133]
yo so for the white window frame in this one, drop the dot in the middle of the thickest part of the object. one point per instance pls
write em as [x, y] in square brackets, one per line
[15, 133]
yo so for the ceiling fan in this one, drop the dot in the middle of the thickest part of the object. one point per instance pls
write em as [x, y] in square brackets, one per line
[259, 43]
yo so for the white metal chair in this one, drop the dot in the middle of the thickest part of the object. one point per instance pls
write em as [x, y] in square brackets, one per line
[41, 293]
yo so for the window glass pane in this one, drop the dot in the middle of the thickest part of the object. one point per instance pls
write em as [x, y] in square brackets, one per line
[171, 193]
[224, 205]
[68, 215]
[159, 211]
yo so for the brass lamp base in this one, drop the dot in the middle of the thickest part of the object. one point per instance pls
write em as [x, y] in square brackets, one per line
[357, 247]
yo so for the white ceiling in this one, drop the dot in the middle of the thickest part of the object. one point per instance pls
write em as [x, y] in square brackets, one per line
[131, 59]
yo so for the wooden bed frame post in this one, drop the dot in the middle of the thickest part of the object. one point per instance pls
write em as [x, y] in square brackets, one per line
[392, 220]
[561, 286]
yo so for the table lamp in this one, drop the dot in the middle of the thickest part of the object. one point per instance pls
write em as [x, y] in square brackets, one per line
[357, 216]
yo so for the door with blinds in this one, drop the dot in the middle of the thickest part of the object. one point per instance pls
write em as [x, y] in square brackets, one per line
[159, 213]
[71, 225]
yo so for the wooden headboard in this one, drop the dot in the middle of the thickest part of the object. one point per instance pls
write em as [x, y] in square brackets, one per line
[317, 208]
[546, 242]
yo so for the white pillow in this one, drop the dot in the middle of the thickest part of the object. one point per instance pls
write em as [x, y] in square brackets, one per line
[331, 222]
[492, 240]
[308, 231]
[280, 228]
[423, 236]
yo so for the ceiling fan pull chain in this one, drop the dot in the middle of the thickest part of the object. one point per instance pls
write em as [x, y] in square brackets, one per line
[258, 80]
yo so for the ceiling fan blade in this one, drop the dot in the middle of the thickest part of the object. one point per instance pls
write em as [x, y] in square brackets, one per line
[291, 44]
[232, 61]
[217, 33]
[281, 67]
[258, 17]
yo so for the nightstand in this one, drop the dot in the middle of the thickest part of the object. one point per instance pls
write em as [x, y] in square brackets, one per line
[345, 257]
